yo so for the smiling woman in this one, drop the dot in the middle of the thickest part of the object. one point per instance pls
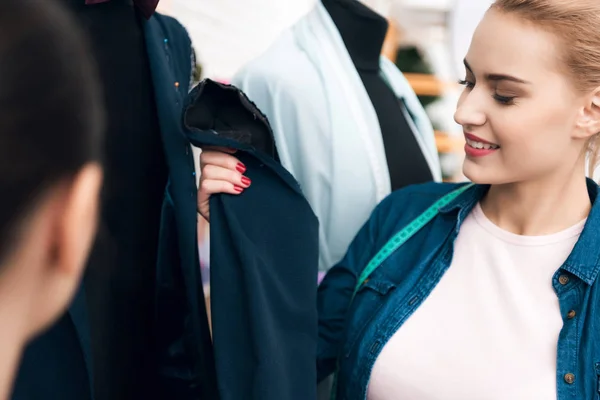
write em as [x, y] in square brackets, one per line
[490, 290]
[574, 25]
[526, 90]
[502, 280]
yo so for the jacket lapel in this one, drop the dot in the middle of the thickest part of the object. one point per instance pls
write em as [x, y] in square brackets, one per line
[170, 58]
[170, 92]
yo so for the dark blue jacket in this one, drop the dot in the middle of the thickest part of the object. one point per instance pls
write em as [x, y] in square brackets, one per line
[58, 365]
[264, 258]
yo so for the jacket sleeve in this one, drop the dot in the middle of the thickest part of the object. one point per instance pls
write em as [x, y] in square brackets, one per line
[336, 290]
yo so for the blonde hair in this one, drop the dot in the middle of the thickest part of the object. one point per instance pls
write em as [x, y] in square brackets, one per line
[577, 24]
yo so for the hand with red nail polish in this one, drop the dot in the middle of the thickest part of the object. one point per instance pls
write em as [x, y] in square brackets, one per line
[220, 172]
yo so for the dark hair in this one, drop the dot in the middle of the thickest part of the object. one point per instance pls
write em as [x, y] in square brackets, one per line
[51, 117]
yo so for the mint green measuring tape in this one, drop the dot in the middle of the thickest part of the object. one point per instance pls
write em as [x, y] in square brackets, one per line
[395, 243]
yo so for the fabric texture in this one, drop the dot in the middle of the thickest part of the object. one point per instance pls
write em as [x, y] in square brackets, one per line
[309, 89]
[508, 324]
[356, 332]
[264, 257]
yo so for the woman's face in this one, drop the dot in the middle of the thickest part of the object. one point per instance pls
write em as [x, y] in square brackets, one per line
[519, 111]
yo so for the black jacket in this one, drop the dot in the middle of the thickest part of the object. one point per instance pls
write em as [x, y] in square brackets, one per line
[60, 365]
[264, 257]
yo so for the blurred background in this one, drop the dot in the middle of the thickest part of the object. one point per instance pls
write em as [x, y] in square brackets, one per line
[427, 39]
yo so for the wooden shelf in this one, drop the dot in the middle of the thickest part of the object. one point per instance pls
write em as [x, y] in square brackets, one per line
[427, 85]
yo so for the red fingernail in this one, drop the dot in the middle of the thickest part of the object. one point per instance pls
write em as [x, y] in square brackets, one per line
[246, 181]
[238, 189]
[241, 168]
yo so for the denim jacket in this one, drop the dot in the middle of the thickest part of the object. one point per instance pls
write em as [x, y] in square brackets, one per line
[354, 332]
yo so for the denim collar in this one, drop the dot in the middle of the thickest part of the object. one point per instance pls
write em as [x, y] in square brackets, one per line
[584, 260]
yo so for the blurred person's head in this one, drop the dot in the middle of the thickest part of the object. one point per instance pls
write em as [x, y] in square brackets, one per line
[531, 106]
[50, 127]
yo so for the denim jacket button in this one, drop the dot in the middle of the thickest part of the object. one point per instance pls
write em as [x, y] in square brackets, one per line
[569, 378]
[571, 314]
[563, 279]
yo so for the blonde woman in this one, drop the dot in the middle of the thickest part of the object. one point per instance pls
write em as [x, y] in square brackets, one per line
[491, 290]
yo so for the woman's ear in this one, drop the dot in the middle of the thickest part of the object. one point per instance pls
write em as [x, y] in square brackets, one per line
[78, 223]
[588, 123]
[62, 234]
[72, 235]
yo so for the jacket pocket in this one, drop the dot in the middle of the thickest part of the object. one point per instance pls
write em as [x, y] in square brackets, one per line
[367, 303]
[377, 285]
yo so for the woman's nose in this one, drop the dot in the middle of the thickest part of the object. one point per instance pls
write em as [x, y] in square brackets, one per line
[469, 110]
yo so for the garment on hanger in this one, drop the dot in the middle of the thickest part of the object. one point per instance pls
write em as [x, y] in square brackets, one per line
[263, 258]
[326, 129]
[363, 33]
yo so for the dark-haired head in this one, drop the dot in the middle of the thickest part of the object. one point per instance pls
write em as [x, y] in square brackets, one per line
[51, 122]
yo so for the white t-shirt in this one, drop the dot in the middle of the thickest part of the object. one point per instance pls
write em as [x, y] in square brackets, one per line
[489, 330]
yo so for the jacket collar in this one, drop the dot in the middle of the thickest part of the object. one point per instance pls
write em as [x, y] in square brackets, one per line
[465, 202]
[584, 260]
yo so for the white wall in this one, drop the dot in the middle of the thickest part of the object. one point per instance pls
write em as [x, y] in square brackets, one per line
[229, 33]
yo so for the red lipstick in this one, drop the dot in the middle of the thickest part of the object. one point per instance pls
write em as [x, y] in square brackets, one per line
[478, 147]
